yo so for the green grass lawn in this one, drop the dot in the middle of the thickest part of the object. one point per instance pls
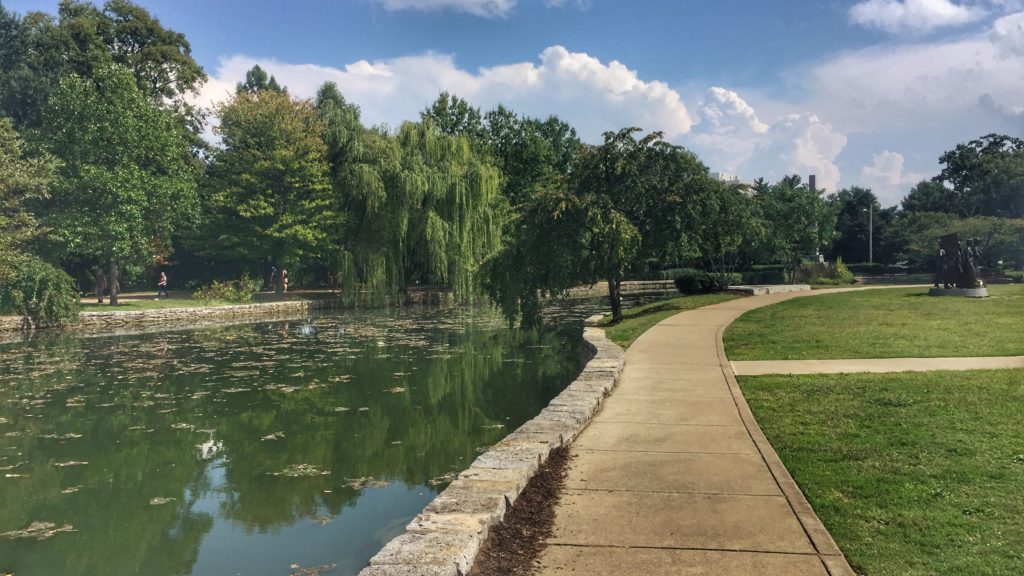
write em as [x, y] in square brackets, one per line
[135, 304]
[912, 473]
[636, 321]
[884, 323]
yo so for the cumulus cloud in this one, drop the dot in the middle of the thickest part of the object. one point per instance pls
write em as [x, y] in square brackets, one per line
[885, 176]
[484, 8]
[1008, 35]
[732, 137]
[806, 145]
[591, 95]
[913, 16]
[921, 83]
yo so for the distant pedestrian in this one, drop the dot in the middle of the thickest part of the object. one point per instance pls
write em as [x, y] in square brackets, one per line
[101, 284]
[273, 278]
[284, 278]
[161, 286]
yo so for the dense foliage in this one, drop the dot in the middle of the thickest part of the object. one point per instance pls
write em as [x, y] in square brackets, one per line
[240, 291]
[99, 147]
[42, 294]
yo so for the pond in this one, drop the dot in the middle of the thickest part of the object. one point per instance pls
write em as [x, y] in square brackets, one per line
[273, 448]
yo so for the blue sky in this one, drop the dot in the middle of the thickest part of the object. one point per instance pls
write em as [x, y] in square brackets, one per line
[862, 93]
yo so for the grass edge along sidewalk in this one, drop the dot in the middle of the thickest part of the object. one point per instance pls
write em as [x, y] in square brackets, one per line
[889, 323]
[912, 473]
[637, 320]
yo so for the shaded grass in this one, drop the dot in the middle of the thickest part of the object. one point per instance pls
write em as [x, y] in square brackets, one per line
[885, 323]
[636, 321]
[139, 304]
[912, 473]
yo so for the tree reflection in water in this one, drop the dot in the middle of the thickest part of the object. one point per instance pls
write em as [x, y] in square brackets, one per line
[183, 432]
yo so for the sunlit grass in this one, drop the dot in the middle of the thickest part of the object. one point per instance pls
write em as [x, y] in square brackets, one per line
[912, 473]
[886, 323]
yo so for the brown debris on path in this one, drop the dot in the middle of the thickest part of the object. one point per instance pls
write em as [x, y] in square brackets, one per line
[512, 548]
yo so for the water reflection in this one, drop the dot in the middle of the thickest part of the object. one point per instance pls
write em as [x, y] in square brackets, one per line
[263, 448]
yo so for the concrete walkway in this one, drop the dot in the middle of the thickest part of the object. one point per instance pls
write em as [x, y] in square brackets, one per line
[674, 476]
[877, 365]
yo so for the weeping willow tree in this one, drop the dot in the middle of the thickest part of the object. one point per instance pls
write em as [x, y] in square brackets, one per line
[418, 206]
[457, 219]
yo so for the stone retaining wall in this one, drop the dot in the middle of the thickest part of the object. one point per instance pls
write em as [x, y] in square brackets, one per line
[629, 287]
[444, 539]
[170, 317]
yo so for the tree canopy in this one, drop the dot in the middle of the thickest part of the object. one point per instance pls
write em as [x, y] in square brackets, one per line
[127, 182]
[266, 195]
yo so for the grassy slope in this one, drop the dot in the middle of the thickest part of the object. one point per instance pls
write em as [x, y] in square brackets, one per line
[887, 323]
[913, 474]
[637, 320]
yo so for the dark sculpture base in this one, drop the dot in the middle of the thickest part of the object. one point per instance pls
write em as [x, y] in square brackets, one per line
[963, 292]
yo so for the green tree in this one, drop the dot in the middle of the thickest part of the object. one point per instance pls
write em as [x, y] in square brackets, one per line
[928, 196]
[798, 221]
[726, 226]
[24, 180]
[257, 80]
[986, 177]
[1002, 239]
[454, 116]
[266, 195]
[529, 152]
[38, 50]
[622, 200]
[855, 209]
[127, 183]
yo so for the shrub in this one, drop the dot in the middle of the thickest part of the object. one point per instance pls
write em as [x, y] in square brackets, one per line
[41, 293]
[829, 273]
[241, 291]
[719, 282]
[875, 268]
[1017, 277]
[692, 281]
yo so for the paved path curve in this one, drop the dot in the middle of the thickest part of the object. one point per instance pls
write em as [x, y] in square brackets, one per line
[674, 476]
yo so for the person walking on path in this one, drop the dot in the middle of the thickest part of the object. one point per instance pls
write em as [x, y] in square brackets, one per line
[101, 284]
[161, 286]
[284, 278]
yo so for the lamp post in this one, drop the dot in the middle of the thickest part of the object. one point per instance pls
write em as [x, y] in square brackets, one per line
[871, 231]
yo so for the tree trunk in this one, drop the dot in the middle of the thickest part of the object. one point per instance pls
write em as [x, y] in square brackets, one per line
[615, 297]
[112, 283]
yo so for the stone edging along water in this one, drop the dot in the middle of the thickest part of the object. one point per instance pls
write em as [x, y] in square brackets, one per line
[181, 316]
[444, 539]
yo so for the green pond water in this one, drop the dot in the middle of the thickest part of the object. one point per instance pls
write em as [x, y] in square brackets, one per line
[275, 448]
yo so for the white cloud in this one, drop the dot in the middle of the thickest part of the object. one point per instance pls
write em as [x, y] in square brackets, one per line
[806, 145]
[733, 138]
[589, 94]
[1008, 35]
[913, 16]
[885, 177]
[577, 4]
[484, 8]
[917, 84]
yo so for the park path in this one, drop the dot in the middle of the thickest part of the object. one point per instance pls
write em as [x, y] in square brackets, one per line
[674, 477]
[875, 365]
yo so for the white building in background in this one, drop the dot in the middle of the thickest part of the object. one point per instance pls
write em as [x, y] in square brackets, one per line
[728, 178]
